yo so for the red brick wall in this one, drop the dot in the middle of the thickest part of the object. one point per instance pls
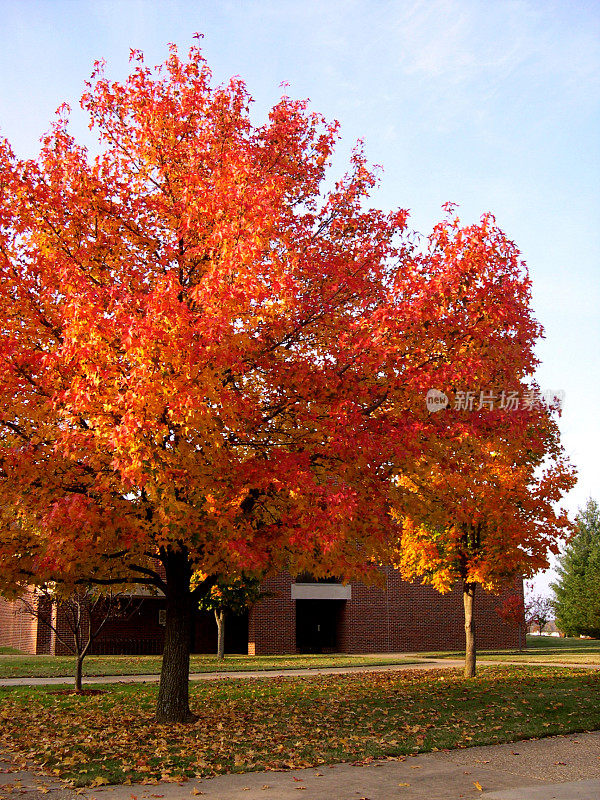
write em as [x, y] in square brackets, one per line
[402, 618]
[45, 637]
[17, 629]
[272, 621]
[138, 632]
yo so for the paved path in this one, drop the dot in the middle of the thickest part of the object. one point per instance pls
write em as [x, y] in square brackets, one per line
[423, 664]
[212, 676]
[557, 768]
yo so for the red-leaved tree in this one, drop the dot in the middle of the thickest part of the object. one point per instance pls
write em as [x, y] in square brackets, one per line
[210, 363]
[512, 612]
[478, 505]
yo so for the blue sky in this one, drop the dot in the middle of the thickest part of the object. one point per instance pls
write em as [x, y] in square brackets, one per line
[492, 105]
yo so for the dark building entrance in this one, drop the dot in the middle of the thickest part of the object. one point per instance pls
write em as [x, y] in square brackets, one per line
[318, 624]
[204, 634]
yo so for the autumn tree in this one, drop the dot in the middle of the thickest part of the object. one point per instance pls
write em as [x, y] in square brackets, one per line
[213, 363]
[539, 609]
[198, 347]
[512, 612]
[478, 504]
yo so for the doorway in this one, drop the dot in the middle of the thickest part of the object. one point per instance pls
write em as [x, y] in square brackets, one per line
[318, 624]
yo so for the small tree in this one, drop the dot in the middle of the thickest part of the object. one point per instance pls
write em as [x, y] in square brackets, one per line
[76, 619]
[538, 611]
[230, 596]
[512, 611]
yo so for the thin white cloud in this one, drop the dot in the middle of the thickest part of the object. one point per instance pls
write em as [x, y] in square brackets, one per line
[460, 51]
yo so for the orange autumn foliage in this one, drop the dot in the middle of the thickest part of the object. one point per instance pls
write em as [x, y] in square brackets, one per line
[188, 325]
[479, 502]
[213, 363]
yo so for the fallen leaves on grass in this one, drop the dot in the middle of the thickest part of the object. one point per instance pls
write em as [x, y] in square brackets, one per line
[289, 723]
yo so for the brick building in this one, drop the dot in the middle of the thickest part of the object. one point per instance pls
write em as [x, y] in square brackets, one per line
[139, 632]
[19, 631]
[298, 617]
[400, 617]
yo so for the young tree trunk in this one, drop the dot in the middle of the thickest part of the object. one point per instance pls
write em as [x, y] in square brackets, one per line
[80, 630]
[173, 692]
[468, 601]
[79, 672]
[220, 617]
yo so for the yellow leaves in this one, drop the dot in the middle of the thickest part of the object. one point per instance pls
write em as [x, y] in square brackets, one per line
[405, 482]
[167, 777]
[443, 580]
[478, 786]
[99, 781]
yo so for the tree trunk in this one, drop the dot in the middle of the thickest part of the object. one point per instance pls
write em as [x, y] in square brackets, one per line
[468, 601]
[220, 617]
[173, 692]
[79, 673]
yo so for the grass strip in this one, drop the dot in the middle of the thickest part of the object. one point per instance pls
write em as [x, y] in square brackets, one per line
[549, 649]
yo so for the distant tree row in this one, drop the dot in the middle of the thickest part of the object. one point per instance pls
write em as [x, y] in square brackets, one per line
[539, 610]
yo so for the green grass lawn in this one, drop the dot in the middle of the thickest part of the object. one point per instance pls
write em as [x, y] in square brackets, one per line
[562, 643]
[21, 666]
[547, 649]
[288, 722]
[551, 649]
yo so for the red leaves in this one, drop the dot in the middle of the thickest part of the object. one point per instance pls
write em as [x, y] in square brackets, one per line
[512, 610]
[192, 321]
[476, 503]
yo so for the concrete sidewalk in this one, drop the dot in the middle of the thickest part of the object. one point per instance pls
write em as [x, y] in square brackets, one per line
[213, 676]
[557, 768]
[564, 768]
